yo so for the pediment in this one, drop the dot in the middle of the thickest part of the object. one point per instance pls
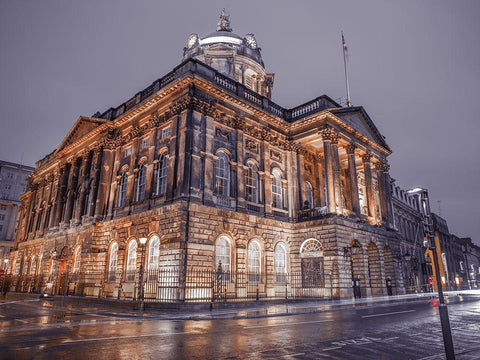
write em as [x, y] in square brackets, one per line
[357, 118]
[82, 127]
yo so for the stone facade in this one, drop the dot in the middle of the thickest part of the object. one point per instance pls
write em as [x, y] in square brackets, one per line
[214, 177]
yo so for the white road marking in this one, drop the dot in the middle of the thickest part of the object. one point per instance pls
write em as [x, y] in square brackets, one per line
[284, 324]
[432, 357]
[332, 348]
[392, 338]
[290, 355]
[18, 301]
[390, 313]
[123, 337]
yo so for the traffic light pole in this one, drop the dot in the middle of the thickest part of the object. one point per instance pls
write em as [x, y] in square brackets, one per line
[444, 320]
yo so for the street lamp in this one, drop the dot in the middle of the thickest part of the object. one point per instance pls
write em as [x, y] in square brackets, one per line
[444, 320]
[5, 266]
[143, 241]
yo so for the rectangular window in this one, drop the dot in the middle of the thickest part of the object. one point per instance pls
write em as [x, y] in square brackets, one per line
[3, 207]
[145, 143]
[10, 175]
[165, 132]
[2, 217]
[8, 187]
[1, 227]
[128, 151]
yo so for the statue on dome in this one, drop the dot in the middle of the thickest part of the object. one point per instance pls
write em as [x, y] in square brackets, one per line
[224, 22]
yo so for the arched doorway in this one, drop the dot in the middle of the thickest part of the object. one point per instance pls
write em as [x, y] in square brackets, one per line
[61, 285]
[390, 282]
[357, 266]
[374, 270]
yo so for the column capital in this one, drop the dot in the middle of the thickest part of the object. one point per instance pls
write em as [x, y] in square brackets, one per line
[329, 134]
[366, 158]
[350, 148]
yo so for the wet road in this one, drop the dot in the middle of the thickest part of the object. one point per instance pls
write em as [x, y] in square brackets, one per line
[29, 330]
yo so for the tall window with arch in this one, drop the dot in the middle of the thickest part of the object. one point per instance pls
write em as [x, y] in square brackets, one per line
[251, 182]
[280, 263]
[254, 262]
[223, 252]
[141, 178]
[33, 266]
[162, 170]
[154, 253]
[309, 195]
[131, 261]
[112, 262]
[277, 195]
[122, 190]
[76, 260]
[222, 174]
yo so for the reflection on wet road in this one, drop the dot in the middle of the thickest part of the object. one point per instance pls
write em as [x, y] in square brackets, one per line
[35, 330]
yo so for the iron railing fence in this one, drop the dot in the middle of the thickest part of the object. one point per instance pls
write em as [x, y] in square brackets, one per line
[171, 285]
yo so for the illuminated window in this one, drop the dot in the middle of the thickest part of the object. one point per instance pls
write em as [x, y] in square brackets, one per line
[277, 190]
[122, 195]
[154, 253]
[128, 151]
[254, 262]
[165, 132]
[222, 175]
[76, 261]
[309, 194]
[132, 257]
[251, 182]
[141, 177]
[162, 175]
[280, 263]
[112, 264]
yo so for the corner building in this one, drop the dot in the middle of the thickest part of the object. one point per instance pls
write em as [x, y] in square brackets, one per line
[235, 196]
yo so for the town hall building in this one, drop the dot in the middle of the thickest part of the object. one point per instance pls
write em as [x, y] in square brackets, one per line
[200, 187]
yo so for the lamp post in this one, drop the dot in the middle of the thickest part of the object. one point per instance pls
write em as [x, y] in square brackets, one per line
[444, 320]
[143, 241]
[4, 275]
[53, 256]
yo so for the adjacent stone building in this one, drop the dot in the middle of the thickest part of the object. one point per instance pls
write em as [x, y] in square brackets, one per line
[13, 179]
[200, 186]
[409, 221]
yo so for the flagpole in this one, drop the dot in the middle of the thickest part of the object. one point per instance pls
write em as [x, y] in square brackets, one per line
[344, 47]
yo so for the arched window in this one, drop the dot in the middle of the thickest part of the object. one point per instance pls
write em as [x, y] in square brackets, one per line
[277, 198]
[254, 262]
[222, 175]
[33, 266]
[162, 175]
[153, 253]
[251, 182]
[122, 190]
[112, 263]
[131, 261]
[309, 195]
[223, 254]
[280, 263]
[76, 260]
[141, 176]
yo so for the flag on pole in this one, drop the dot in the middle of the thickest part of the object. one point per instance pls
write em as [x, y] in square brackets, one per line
[345, 49]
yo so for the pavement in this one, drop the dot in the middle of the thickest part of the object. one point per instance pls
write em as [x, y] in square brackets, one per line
[230, 310]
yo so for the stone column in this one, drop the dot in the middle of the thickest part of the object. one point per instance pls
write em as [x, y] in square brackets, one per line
[300, 196]
[267, 179]
[352, 172]
[383, 178]
[336, 175]
[368, 185]
[320, 182]
[105, 176]
[327, 136]
[61, 190]
[81, 180]
[292, 190]
[241, 172]
[95, 176]
[72, 187]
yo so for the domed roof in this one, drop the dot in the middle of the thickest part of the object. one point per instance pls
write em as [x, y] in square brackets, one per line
[246, 46]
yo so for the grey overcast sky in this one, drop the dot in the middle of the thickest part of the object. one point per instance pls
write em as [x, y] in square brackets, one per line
[414, 66]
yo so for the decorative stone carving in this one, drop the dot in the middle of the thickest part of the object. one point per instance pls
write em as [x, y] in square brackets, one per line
[350, 148]
[251, 146]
